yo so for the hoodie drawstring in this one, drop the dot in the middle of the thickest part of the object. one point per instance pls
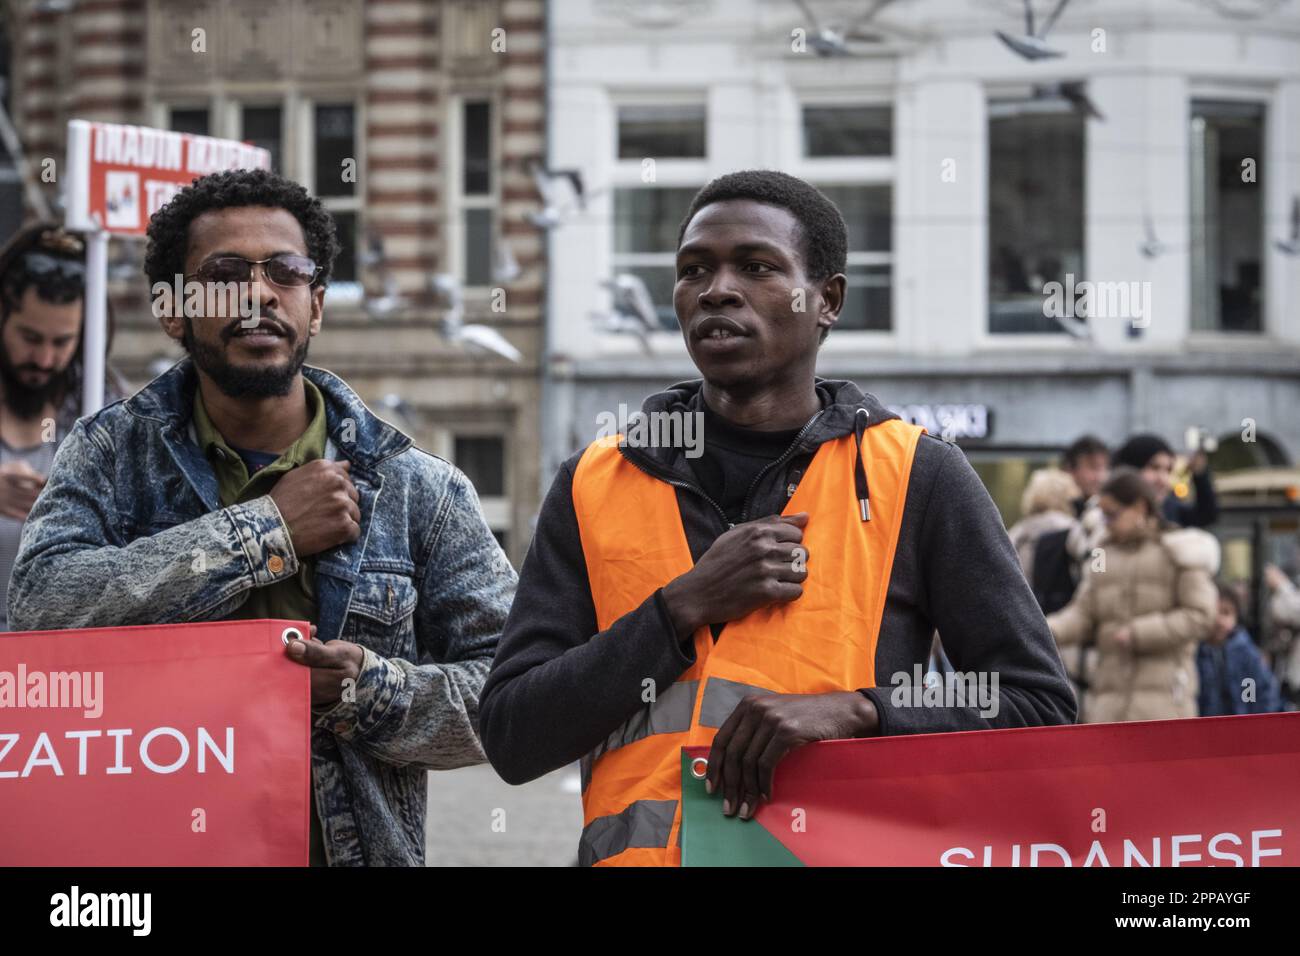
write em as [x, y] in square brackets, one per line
[860, 472]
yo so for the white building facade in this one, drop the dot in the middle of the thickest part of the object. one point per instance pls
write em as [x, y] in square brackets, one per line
[980, 197]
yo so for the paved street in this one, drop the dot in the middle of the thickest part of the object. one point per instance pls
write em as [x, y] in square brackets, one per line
[476, 819]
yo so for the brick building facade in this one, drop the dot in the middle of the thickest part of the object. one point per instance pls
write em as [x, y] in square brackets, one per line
[415, 122]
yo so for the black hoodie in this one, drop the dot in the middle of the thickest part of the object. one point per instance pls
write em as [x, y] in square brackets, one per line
[558, 687]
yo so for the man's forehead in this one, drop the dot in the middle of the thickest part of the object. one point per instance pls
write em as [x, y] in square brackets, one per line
[254, 231]
[742, 221]
[55, 318]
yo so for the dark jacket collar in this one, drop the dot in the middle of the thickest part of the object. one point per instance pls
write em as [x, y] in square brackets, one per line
[840, 403]
[169, 399]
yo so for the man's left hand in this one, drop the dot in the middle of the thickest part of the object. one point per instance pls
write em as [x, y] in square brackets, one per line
[764, 728]
[331, 664]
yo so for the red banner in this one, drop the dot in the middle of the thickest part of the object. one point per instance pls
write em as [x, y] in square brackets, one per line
[183, 745]
[1220, 791]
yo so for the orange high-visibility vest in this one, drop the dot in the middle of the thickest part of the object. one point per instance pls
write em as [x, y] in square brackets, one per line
[634, 543]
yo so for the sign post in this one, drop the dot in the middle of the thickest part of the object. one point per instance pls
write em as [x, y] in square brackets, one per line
[117, 177]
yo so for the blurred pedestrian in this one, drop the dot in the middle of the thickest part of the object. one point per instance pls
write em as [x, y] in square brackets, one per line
[1154, 458]
[1047, 504]
[1284, 611]
[1145, 603]
[1284, 607]
[1234, 679]
[1051, 504]
[42, 298]
[1087, 461]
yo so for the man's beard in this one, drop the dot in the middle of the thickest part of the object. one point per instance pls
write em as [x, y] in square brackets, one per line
[27, 401]
[264, 381]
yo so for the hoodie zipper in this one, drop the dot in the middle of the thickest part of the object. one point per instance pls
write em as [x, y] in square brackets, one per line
[789, 452]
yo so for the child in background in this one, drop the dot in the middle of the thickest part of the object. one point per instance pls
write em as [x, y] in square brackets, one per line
[1227, 660]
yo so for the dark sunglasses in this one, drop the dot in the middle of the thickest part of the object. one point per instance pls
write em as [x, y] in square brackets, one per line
[43, 264]
[284, 269]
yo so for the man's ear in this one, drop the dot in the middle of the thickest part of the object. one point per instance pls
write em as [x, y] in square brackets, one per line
[169, 311]
[317, 310]
[833, 291]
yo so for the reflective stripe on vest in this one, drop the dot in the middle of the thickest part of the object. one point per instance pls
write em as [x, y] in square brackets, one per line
[669, 713]
[645, 823]
[721, 697]
[633, 544]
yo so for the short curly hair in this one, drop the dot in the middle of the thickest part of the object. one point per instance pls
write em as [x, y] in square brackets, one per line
[825, 236]
[169, 228]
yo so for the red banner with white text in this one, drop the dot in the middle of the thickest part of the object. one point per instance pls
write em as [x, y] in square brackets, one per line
[168, 745]
[1218, 791]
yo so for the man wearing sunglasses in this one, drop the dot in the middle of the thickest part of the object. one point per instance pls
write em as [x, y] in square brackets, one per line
[245, 484]
[42, 292]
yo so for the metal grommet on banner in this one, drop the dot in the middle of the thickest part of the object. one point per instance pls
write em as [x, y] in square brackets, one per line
[699, 768]
[291, 634]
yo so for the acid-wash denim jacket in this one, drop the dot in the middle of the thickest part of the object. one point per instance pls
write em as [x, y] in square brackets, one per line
[424, 590]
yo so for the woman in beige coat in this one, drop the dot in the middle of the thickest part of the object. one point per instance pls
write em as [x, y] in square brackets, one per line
[1145, 601]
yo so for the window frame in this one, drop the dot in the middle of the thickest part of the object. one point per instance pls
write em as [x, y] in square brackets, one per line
[670, 173]
[1275, 195]
[457, 200]
[809, 102]
[856, 171]
[682, 99]
[350, 293]
[986, 338]
[225, 103]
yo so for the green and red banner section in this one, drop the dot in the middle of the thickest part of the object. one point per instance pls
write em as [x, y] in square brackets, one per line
[169, 745]
[1218, 791]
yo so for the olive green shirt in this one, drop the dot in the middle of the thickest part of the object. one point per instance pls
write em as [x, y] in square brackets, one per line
[291, 598]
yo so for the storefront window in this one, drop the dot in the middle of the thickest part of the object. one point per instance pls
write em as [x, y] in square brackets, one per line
[1036, 203]
[1227, 208]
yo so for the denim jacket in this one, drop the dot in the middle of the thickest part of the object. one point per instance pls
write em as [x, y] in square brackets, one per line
[424, 590]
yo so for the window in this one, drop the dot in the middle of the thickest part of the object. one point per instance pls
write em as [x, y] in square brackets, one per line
[645, 241]
[336, 143]
[868, 214]
[661, 132]
[195, 121]
[263, 126]
[482, 457]
[475, 192]
[1227, 216]
[477, 178]
[333, 144]
[1036, 156]
[848, 131]
[309, 142]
